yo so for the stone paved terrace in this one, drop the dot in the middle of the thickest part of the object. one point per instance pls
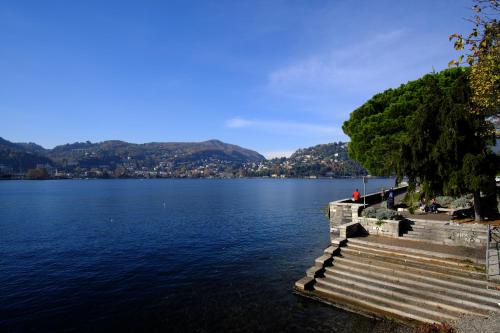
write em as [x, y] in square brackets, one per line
[440, 217]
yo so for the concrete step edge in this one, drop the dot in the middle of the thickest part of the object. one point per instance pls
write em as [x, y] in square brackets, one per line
[439, 232]
[425, 270]
[396, 304]
[369, 306]
[410, 252]
[446, 228]
[424, 262]
[439, 242]
[399, 296]
[444, 239]
[424, 222]
[438, 235]
[479, 294]
[456, 303]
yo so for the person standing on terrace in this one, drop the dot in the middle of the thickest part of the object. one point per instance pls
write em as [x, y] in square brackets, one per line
[390, 199]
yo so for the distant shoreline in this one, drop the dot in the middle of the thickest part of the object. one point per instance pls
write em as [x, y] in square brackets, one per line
[194, 178]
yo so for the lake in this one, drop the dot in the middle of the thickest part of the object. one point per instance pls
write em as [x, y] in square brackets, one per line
[166, 255]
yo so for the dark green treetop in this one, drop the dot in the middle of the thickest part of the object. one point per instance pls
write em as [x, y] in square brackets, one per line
[424, 130]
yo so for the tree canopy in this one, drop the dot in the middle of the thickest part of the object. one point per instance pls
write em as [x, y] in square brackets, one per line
[481, 50]
[425, 131]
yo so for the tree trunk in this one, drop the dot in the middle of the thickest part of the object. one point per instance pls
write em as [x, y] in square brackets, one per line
[477, 206]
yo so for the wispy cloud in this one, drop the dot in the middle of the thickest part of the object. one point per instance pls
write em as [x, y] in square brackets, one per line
[284, 127]
[378, 61]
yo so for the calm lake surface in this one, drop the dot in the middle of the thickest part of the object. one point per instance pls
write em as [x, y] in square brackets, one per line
[166, 255]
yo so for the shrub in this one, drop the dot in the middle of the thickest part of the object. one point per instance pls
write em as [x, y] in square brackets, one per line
[444, 201]
[411, 198]
[380, 213]
[385, 214]
[369, 212]
[461, 202]
[412, 201]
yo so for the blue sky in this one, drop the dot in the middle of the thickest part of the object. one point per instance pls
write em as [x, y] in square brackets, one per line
[272, 76]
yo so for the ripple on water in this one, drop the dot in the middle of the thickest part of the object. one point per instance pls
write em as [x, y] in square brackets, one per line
[191, 255]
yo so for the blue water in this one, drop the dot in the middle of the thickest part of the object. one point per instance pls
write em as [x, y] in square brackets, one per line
[166, 255]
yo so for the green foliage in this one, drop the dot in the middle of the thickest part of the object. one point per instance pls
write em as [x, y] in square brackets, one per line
[464, 201]
[379, 213]
[412, 201]
[385, 214]
[369, 212]
[423, 130]
[481, 49]
[38, 173]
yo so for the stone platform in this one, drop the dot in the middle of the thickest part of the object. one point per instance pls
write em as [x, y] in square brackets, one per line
[410, 271]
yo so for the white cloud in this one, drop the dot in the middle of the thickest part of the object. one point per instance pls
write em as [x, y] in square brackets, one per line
[293, 128]
[238, 122]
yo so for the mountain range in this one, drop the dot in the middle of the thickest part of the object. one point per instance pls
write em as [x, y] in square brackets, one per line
[212, 159]
[23, 156]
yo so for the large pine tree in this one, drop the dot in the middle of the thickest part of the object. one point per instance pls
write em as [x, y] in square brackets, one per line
[424, 130]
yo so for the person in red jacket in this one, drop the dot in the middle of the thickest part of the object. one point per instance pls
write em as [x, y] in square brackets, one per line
[355, 195]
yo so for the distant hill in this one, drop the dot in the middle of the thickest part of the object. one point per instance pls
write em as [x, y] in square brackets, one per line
[32, 147]
[324, 160]
[327, 160]
[213, 158]
[336, 151]
[111, 153]
[18, 158]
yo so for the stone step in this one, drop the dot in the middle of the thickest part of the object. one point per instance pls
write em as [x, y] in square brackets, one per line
[424, 221]
[394, 292]
[472, 298]
[446, 223]
[462, 233]
[415, 267]
[472, 290]
[383, 304]
[414, 261]
[426, 227]
[441, 237]
[441, 241]
[407, 253]
[446, 234]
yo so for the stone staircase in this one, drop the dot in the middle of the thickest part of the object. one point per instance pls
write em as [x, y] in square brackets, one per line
[406, 283]
[446, 233]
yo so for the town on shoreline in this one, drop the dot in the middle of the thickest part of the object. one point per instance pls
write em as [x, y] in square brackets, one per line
[209, 159]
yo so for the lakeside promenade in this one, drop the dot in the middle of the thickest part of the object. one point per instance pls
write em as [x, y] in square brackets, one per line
[418, 269]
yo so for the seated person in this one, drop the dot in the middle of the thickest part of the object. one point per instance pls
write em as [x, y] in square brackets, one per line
[433, 207]
[423, 207]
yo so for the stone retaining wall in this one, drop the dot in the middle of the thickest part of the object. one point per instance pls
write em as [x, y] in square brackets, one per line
[391, 228]
[346, 221]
